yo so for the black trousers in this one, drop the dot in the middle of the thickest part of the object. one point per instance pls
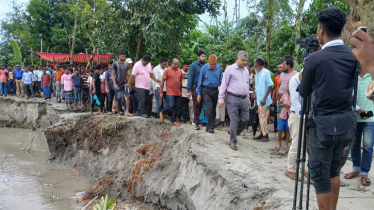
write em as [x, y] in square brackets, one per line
[210, 96]
[109, 101]
[29, 90]
[133, 102]
[102, 97]
[150, 104]
[184, 109]
[142, 96]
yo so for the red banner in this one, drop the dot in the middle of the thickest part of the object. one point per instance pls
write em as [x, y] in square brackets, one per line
[78, 58]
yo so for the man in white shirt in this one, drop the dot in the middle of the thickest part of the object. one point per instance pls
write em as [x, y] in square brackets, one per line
[158, 71]
[294, 124]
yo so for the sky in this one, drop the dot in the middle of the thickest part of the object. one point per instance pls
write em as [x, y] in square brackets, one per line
[231, 8]
[5, 7]
[205, 17]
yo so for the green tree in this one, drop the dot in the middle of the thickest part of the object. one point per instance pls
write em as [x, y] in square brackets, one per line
[273, 11]
[297, 28]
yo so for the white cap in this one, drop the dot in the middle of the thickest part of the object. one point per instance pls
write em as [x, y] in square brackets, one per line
[128, 60]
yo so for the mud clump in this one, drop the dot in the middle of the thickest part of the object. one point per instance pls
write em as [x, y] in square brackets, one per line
[20, 113]
[172, 167]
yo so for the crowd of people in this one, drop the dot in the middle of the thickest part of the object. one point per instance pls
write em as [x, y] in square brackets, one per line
[208, 93]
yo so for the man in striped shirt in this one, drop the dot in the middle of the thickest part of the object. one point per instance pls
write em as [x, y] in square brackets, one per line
[364, 132]
[85, 93]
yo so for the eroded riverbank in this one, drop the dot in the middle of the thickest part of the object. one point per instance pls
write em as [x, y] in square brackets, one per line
[177, 167]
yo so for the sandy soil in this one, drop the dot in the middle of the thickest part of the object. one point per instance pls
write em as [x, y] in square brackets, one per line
[274, 164]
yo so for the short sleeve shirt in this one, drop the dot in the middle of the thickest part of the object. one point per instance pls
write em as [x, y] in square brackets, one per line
[3, 76]
[121, 71]
[108, 77]
[89, 82]
[46, 80]
[10, 75]
[142, 74]
[263, 82]
[67, 81]
[173, 81]
[97, 84]
[284, 79]
[102, 83]
[276, 83]
[58, 75]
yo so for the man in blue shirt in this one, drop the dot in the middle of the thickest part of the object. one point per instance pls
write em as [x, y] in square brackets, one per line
[192, 82]
[263, 89]
[28, 81]
[209, 80]
[18, 78]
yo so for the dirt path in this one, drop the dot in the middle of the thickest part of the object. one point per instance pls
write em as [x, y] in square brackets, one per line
[271, 165]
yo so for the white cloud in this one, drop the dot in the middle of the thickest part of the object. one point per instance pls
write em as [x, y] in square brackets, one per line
[5, 7]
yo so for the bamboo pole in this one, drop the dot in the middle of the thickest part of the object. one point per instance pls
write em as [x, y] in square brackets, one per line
[98, 57]
[32, 60]
[41, 50]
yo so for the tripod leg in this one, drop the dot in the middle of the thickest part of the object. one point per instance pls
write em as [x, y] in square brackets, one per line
[299, 153]
[307, 191]
[303, 159]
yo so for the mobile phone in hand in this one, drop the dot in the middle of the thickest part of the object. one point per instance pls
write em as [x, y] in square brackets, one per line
[363, 28]
[367, 115]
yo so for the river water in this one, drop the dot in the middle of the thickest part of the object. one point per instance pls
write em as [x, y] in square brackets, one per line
[27, 181]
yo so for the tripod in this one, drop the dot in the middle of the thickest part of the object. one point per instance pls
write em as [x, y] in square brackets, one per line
[302, 142]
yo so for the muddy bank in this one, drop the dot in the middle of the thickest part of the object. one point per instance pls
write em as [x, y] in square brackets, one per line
[20, 113]
[173, 167]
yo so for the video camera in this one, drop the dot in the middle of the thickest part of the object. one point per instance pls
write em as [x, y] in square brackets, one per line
[311, 44]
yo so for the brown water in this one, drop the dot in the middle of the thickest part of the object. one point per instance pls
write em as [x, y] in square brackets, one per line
[27, 181]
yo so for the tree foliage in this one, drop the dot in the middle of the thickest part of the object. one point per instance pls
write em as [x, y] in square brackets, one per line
[161, 28]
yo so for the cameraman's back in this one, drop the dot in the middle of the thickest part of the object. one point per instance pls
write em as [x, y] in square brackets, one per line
[331, 74]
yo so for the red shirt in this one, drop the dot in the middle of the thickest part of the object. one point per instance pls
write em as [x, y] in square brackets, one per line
[173, 80]
[46, 80]
[3, 75]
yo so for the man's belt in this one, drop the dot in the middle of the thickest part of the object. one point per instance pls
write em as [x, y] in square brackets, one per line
[212, 88]
[18, 79]
[238, 96]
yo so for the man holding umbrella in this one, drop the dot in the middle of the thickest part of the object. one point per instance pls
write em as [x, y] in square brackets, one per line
[236, 82]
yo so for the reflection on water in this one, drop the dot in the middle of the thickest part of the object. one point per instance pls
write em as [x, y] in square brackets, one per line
[27, 181]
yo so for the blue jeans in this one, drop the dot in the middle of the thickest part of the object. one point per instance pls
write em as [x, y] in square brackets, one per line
[160, 102]
[362, 164]
[174, 103]
[3, 89]
[117, 93]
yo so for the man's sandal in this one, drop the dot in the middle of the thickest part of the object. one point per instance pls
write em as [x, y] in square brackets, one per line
[264, 139]
[352, 175]
[365, 181]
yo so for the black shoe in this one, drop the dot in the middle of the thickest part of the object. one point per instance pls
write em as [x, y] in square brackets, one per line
[197, 127]
[144, 116]
[211, 131]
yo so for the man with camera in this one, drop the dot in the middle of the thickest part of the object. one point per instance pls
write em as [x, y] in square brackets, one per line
[329, 74]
